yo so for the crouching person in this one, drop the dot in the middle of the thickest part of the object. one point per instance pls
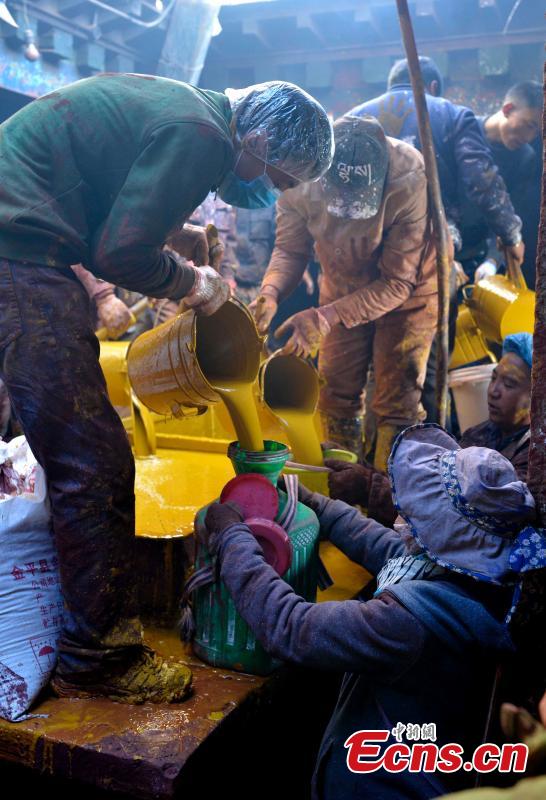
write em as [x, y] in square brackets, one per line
[425, 648]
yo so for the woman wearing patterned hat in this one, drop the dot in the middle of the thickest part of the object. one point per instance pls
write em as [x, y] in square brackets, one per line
[425, 649]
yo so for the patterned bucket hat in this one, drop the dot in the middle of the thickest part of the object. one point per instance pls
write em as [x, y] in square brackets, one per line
[465, 507]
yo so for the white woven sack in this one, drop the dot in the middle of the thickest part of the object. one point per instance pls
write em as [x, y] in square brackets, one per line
[30, 598]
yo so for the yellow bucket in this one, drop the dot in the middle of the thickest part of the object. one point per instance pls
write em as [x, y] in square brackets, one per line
[500, 308]
[169, 366]
[113, 361]
[470, 344]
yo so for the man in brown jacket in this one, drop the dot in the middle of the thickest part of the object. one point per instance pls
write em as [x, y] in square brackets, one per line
[369, 223]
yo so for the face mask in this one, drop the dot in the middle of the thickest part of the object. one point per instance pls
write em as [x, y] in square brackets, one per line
[258, 193]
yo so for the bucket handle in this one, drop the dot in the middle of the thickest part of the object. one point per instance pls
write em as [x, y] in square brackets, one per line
[286, 520]
[466, 292]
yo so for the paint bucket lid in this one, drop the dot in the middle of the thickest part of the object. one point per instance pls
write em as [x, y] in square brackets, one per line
[254, 494]
[274, 541]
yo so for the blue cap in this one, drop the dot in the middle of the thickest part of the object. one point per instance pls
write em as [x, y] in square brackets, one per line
[521, 344]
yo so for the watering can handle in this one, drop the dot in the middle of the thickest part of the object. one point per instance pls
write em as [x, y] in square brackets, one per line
[466, 292]
[514, 272]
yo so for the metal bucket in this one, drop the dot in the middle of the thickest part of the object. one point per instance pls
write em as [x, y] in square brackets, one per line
[500, 308]
[470, 344]
[170, 366]
[288, 382]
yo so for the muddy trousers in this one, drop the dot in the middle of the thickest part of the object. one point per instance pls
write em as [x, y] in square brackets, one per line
[49, 361]
[398, 345]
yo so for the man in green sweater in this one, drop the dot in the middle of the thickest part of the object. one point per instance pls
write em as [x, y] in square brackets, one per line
[101, 173]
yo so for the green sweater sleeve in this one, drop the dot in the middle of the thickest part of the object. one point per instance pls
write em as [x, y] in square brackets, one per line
[178, 166]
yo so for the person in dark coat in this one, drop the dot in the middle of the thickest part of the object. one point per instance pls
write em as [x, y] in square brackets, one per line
[510, 133]
[423, 652]
[466, 167]
[101, 173]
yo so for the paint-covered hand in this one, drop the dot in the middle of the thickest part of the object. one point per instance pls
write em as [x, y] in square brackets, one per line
[219, 516]
[191, 242]
[163, 309]
[209, 291]
[308, 327]
[264, 308]
[349, 482]
[113, 315]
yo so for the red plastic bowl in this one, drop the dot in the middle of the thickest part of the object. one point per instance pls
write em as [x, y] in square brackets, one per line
[274, 541]
[254, 494]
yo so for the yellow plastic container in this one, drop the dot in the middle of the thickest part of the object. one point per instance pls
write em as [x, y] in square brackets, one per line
[501, 308]
[470, 343]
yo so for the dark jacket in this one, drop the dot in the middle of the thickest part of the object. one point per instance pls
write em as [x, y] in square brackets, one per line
[420, 652]
[101, 172]
[463, 157]
[523, 180]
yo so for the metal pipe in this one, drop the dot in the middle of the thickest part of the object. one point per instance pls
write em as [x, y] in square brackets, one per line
[135, 20]
[443, 261]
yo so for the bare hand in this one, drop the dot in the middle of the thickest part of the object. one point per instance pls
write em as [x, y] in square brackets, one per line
[514, 252]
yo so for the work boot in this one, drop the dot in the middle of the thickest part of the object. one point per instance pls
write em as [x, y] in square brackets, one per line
[346, 431]
[150, 678]
[386, 434]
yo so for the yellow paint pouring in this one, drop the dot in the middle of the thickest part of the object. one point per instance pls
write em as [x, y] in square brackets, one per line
[290, 390]
[302, 435]
[228, 351]
[238, 397]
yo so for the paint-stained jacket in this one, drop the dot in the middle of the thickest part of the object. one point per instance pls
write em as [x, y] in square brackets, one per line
[463, 157]
[370, 266]
[102, 171]
[255, 239]
[423, 651]
[518, 171]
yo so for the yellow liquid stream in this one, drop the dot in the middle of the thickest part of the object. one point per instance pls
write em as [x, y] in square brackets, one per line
[238, 397]
[302, 435]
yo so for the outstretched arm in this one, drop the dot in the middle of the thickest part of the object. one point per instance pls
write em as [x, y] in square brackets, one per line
[379, 638]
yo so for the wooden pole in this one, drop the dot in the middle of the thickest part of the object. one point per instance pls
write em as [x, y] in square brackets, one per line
[536, 476]
[529, 620]
[443, 260]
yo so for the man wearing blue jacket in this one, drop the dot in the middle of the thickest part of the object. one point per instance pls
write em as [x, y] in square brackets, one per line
[463, 156]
